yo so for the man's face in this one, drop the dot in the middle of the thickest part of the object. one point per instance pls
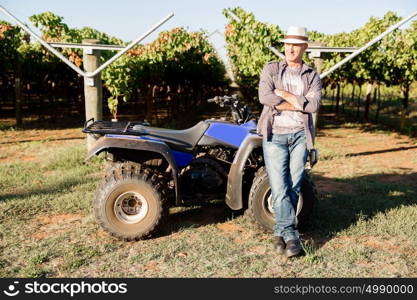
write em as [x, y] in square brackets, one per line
[294, 52]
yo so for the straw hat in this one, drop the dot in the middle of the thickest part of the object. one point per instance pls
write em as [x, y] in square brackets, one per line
[296, 35]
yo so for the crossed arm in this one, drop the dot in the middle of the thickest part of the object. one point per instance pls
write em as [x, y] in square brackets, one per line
[289, 103]
[270, 96]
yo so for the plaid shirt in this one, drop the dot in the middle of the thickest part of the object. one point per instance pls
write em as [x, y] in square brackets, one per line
[271, 79]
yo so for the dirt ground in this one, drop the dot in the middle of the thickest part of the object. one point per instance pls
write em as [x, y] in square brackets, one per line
[19, 145]
[361, 149]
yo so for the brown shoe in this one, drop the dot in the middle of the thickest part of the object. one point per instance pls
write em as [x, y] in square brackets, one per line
[293, 248]
[279, 245]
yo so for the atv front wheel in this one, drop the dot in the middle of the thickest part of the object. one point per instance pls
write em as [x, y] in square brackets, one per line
[260, 201]
[130, 203]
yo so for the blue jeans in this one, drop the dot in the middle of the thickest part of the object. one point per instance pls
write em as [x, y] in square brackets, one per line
[285, 156]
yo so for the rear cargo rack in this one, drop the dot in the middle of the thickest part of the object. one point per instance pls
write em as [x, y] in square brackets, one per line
[110, 127]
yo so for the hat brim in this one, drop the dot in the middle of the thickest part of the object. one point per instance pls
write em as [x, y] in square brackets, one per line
[294, 41]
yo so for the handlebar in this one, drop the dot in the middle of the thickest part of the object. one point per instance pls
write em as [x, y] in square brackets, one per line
[213, 100]
[223, 99]
[239, 113]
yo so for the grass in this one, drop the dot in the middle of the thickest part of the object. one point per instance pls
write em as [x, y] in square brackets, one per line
[47, 228]
[328, 154]
[388, 121]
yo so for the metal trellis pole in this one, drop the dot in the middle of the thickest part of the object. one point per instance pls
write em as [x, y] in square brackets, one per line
[69, 63]
[367, 45]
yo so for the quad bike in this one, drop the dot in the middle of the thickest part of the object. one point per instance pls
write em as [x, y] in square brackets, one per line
[152, 169]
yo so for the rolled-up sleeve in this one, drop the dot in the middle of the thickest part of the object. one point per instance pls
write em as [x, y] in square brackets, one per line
[310, 103]
[267, 95]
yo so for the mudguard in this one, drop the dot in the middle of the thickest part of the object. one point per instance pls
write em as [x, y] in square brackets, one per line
[235, 177]
[106, 143]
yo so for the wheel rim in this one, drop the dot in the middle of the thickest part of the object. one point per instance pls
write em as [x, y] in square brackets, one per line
[269, 208]
[130, 207]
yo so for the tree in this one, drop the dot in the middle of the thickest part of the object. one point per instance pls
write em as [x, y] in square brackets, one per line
[247, 45]
[401, 51]
[11, 63]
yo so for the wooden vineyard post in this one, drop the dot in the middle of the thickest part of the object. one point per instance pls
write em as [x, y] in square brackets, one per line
[18, 101]
[93, 92]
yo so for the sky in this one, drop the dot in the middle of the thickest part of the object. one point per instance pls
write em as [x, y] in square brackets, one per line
[128, 19]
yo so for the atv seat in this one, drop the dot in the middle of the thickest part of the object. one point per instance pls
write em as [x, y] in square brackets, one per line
[182, 140]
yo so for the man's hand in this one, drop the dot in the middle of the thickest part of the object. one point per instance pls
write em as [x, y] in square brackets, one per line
[290, 98]
[285, 106]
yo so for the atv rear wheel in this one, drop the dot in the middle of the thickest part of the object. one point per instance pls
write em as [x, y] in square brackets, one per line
[260, 201]
[130, 203]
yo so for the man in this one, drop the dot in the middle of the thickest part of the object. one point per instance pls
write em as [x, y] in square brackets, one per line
[290, 91]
